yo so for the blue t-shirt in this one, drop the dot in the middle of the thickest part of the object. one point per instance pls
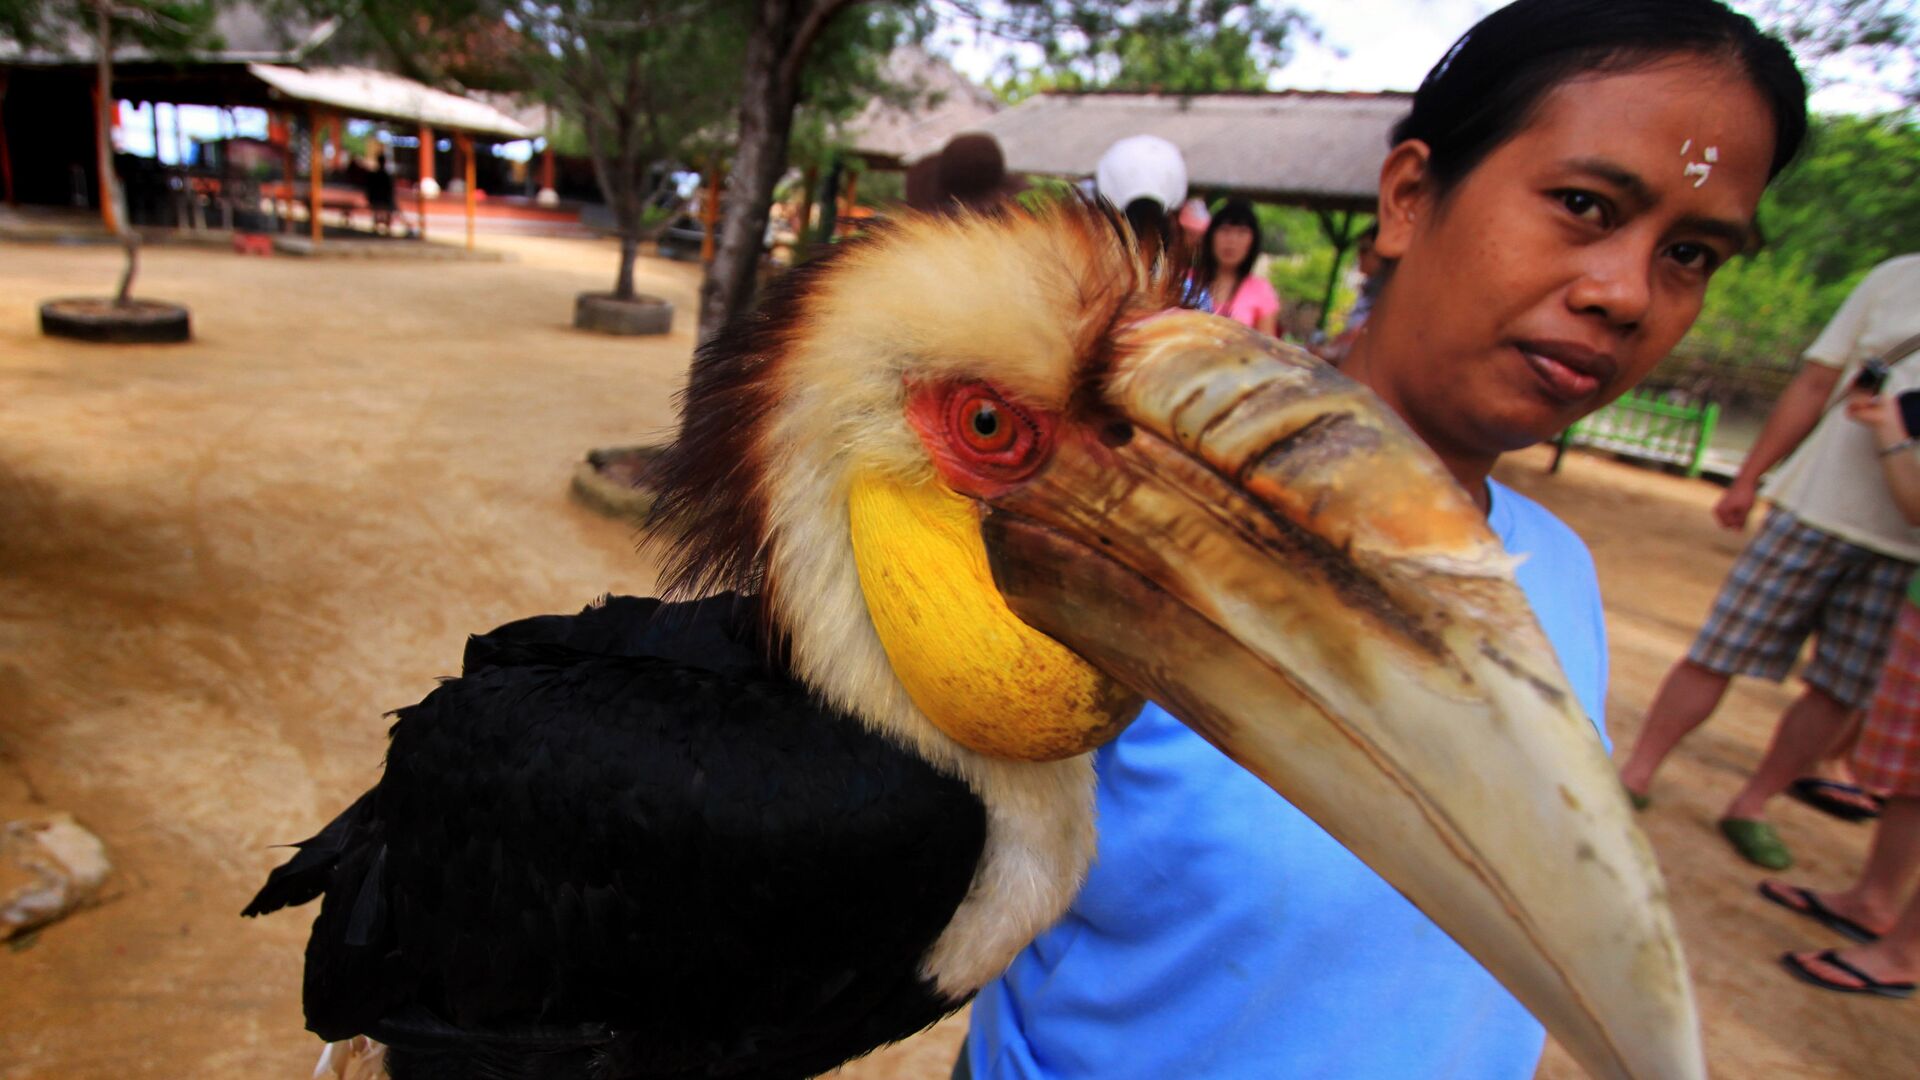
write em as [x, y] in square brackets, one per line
[1222, 933]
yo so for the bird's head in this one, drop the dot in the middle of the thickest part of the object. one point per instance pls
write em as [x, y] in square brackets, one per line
[994, 493]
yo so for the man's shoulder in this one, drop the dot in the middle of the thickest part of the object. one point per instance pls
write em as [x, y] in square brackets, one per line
[1901, 272]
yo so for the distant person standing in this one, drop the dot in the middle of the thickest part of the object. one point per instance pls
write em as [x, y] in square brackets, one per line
[1146, 177]
[1224, 268]
[1880, 912]
[969, 173]
[1831, 562]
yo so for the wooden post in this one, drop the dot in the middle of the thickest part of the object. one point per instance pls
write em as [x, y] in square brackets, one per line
[710, 215]
[153, 114]
[426, 174]
[546, 169]
[466, 151]
[314, 176]
[853, 192]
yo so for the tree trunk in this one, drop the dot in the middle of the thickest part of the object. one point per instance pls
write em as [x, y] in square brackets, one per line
[766, 122]
[629, 248]
[114, 205]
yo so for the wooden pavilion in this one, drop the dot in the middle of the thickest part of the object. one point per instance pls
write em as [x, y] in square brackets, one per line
[48, 108]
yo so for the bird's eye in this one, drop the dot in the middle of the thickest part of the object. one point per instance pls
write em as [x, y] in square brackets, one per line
[985, 428]
[990, 436]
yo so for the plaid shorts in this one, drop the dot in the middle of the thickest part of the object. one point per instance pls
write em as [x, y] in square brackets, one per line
[1793, 581]
[1887, 757]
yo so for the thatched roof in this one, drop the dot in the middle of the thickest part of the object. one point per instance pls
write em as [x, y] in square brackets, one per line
[1313, 148]
[934, 103]
[377, 95]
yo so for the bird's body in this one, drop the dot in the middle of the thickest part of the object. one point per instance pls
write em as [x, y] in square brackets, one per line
[616, 793]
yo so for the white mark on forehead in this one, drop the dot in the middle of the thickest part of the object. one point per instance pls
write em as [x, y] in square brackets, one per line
[1700, 170]
[1686, 146]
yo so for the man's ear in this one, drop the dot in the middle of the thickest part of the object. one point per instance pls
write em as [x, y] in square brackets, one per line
[1406, 196]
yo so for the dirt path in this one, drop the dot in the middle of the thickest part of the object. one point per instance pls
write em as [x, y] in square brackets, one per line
[223, 561]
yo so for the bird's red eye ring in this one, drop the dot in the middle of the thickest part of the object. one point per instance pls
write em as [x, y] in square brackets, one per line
[989, 433]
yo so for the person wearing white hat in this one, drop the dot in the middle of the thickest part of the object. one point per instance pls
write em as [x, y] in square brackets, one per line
[1146, 177]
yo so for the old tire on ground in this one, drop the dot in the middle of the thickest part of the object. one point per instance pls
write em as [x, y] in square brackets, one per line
[98, 318]
[613, 481]
[601, 313]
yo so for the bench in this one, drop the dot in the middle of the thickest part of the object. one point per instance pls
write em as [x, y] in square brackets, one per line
[1640, 425]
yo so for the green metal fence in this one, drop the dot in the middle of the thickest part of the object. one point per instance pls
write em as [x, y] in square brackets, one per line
[1640, 425]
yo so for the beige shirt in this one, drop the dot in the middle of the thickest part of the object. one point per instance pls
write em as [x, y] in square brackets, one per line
[1833, 481]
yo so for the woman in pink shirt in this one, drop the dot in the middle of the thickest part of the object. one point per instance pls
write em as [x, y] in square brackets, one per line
[1225, 268]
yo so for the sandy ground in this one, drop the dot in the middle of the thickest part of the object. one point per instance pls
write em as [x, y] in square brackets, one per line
[220, 562]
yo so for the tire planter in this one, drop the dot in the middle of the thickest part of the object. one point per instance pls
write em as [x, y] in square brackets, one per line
[98, 318]
[601, 313]
[611, 481]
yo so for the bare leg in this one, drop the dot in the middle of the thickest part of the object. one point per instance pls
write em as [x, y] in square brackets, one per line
[1875, 901]
[1894, 958]
[1806, 730]
[1687, 697]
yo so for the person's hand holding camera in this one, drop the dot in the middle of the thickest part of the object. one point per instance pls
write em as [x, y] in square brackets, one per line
[1884, 416]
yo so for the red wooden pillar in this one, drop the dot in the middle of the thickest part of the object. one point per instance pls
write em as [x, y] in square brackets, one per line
[426, 177]
[546, 167]
[315, 175]
[466, 152]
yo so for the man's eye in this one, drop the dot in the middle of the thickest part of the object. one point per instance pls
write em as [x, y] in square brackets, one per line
[1585, 206]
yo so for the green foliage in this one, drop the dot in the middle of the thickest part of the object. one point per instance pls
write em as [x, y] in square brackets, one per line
[167, 27]
[845, 71]
[1169, 46]
[1763, 311]
[1853, 198]
[1301, 256]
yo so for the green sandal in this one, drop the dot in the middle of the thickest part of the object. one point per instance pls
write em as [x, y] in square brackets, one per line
[1757, 843]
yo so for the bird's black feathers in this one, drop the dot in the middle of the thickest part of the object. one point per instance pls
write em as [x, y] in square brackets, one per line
[620, 845]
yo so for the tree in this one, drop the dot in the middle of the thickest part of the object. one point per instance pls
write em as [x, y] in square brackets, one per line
[781, 34]
[1179, 43]
[1171, 46]
[168, 28]
[639, 78]
[1873, 42]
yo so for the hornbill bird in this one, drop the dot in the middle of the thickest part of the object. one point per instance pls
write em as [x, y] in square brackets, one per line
[946, 508]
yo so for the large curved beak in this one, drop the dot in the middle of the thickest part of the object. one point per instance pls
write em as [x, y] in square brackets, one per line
[1249, 538]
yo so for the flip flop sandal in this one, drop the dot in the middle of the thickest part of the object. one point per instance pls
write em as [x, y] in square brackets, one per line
[1809, 905]
[1757, 843]
[1868, 984]
[1830, 797]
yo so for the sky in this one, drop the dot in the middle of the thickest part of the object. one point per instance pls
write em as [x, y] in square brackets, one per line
[1377, 45]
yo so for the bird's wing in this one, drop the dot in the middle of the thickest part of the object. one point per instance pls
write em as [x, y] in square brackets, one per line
[680, 868]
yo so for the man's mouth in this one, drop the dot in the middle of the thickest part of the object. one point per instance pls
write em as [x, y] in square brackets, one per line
[1570, 373]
